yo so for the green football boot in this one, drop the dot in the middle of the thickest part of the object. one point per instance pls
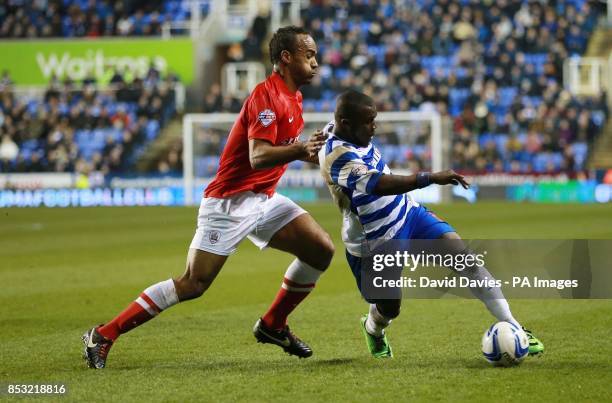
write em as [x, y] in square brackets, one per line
[536, 347]
[379, 346]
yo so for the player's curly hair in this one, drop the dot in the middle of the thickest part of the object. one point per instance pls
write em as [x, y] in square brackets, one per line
[284, 38]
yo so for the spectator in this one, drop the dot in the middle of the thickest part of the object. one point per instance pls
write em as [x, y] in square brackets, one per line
[251, 47]
[8, 149]
[5, 81]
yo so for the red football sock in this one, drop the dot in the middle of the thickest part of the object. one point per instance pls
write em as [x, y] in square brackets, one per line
[137, 313]
[288, 297]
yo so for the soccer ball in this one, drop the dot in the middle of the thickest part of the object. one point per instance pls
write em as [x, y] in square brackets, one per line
[505, 344]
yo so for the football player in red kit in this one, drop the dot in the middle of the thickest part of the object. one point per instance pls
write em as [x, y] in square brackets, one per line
[241, 203]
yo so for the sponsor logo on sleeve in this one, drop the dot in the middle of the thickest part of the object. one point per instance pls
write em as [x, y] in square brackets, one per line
[266, 117]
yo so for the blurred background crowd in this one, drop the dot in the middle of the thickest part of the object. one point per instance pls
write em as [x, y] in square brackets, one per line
[76, 127]
[89, 18]
[494, 69]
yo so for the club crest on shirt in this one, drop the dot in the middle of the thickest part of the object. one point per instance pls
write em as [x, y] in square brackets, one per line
[359, 170]
[266, 117]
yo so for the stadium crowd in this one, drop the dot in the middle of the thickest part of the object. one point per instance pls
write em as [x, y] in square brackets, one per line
[90, 18]
[494, 69]
[80, 128]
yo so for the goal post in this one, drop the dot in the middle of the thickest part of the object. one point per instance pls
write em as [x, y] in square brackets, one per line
[412, 137]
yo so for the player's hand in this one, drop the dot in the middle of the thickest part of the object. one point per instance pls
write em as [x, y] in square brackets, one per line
[449, 177]
[314, 143]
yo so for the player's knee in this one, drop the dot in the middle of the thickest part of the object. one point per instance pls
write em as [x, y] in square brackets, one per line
[199, 287]
[389, 308]
[325, 252]
[328, 249]
[190, 288]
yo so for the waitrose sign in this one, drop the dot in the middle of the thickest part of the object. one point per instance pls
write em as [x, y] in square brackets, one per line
[35, 62]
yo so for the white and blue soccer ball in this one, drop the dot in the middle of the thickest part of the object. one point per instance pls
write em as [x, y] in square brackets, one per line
[505, 344]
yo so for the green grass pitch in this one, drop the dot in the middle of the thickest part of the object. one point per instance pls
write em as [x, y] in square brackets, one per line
[62, 271]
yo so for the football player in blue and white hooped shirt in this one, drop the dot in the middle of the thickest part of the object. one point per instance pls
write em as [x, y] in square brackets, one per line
[376, 206]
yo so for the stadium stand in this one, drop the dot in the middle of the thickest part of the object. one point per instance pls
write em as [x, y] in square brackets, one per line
[80, 128]
[91, 18]
[495, 69]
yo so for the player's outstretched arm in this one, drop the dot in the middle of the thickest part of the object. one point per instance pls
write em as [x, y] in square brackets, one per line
[398, 184]
[263, 154]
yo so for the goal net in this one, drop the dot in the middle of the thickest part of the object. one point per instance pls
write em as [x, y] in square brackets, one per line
[409, 142]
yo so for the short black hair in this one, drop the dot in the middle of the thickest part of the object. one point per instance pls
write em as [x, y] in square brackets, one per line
[349, 104]
[284, 38]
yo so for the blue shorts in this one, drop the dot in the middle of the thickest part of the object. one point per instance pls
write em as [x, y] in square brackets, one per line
[421, 223]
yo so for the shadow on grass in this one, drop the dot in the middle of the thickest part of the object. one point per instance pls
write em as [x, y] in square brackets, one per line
[532, 363]
[241, 365]
[263, 366]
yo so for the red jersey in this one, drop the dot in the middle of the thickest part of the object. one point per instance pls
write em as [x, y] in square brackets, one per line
[271, 113]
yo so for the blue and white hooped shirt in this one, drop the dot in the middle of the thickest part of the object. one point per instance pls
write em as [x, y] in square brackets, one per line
[351, 174]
